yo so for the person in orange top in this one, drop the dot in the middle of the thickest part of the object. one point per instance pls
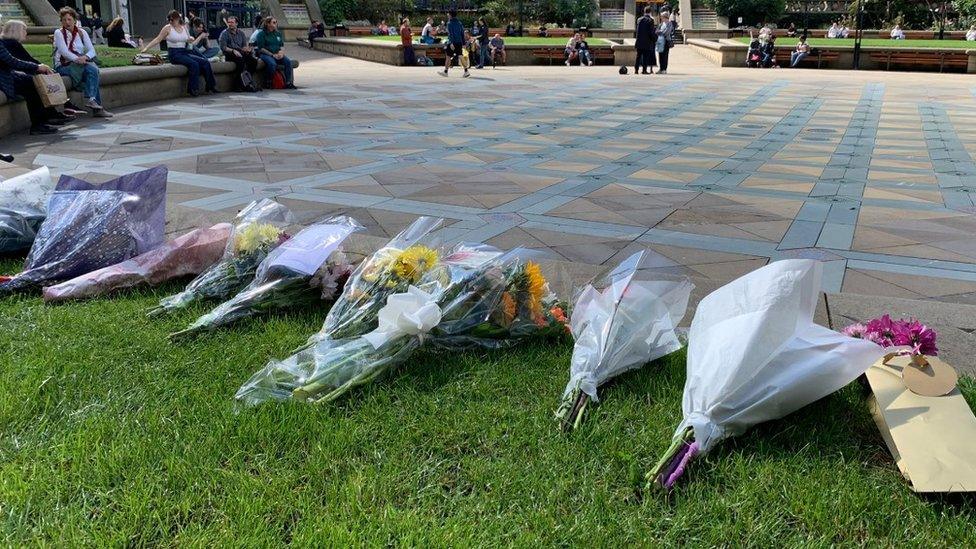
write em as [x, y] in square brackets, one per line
[406, 39]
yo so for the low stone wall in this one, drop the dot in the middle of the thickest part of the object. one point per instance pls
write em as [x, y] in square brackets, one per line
[124, 86]
[39, 35]
[391, 53]
[732, 53]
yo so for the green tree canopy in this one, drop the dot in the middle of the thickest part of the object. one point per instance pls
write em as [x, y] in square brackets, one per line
[752, 12]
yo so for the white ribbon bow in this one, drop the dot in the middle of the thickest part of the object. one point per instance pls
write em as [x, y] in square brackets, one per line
[412, 313]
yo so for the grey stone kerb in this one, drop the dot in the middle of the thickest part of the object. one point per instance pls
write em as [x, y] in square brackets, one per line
[41, 12]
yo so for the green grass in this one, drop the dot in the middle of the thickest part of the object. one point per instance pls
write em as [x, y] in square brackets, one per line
[109, 435]
[875, 42]
[511, 41]
[111, 57]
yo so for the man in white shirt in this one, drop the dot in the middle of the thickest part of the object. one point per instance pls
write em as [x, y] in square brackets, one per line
[897, 33]
[74, 57]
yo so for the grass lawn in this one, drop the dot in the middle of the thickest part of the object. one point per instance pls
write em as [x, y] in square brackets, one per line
[113, 436]
[111, 57]
[875, 42]
[510, 41]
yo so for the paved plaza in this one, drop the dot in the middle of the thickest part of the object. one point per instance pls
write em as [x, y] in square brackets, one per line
[717, 170]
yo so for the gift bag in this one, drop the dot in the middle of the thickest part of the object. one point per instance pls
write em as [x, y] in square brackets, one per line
[51, 89]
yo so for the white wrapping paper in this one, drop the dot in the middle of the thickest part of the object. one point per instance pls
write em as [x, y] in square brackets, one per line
[755, 354]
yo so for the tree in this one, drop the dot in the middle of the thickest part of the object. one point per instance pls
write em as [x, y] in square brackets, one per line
[751, 11]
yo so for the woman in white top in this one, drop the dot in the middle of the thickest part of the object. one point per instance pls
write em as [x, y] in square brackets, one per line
[179, 46]
[897, 33]
[971, 34]
[74, 57]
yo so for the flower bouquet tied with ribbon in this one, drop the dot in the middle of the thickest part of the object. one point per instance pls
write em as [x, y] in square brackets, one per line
[258, 229]
[755, 354]
[307, 268]
[910, 338]
[621, 320]
[88, 228]
[454, 304]
[403, 261]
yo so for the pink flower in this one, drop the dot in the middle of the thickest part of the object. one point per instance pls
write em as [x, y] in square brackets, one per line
[855, 330]
[914, 334]
[884, 330]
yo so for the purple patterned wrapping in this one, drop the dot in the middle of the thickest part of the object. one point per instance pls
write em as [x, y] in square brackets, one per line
[149, 215]
[84, 231]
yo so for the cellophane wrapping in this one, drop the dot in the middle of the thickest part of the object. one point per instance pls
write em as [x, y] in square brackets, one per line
[308, 268]
[621, 320]
[258, 229]
[23, 207]
[185, 255]
[486, 301]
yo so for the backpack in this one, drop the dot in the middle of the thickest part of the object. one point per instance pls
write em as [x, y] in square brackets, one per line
[247, 82]
[277, 81]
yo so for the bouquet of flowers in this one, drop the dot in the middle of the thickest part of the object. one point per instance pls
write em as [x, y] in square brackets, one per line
[258, 229]
[84, 231]
[308, 268]
[148, 215]
[915, 338]
[621, 321]
[23, 206]
[403, 261]
[186, 255]
[755, 354]
[450, 303]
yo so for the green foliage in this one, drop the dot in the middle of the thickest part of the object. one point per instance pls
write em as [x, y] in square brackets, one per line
[752, 12]
[884, 14]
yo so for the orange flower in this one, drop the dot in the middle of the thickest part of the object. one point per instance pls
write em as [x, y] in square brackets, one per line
[509, 308]
[559, 314]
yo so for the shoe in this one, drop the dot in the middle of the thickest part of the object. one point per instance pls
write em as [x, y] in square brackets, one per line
[466, 74]
[55, 115]
[443, 72]
[102, 113]
[567, 63]
[194, 93]
[43, 129]
[662, 72]
[291, 87]
[92, 104]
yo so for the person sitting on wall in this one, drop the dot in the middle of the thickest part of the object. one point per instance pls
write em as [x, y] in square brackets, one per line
[584, 53]
[971, 34]
[115, 35]
[236, 50]
[15, 66]
[317, 30]
[543, 33]
[833, 31]
[428, 34]
[270, 45]
[571, 52]
[179, 48]
[897, 33]
[202, 39]
[769, 53]
[383, 29]
[75, 57]
[497, 46]
[510, 30]
[791, 30]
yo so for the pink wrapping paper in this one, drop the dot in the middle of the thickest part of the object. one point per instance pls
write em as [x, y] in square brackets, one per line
[186, 255]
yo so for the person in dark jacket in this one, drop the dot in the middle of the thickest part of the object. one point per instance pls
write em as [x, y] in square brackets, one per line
[115, 34]
[16, 80]
[455, 43]
[646, 40]
[483, 38]
[13, 35]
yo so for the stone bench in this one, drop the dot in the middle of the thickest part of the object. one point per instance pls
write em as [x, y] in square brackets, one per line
[124, 86]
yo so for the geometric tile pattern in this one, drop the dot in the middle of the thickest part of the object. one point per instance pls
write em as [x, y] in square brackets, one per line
[719, 175]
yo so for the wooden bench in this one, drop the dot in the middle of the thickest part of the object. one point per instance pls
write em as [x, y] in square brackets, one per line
[941, 59]
[558, 53]
[818, 56]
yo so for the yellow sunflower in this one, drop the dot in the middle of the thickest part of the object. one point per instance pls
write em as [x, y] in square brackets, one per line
[254, 236]
[537, 283]
[414, 262]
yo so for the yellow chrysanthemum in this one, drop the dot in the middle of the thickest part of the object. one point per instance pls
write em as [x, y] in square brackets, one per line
[414, 262]
[537, 282]
[254, 236]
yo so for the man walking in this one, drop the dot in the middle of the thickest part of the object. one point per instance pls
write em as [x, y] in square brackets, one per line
[455, 43]
[236, 50]
[646, 40]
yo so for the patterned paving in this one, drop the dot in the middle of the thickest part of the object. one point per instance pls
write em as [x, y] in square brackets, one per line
[877, 178]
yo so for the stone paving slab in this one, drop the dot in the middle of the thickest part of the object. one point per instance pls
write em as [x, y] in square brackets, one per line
[718, 170]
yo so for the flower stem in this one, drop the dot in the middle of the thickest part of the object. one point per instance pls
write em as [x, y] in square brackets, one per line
[670, 461]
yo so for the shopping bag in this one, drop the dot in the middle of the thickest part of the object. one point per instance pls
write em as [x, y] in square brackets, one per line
[51, 89]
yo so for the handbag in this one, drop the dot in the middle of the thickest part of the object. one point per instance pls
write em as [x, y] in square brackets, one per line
[51, 89]
[147, 59]
[277, 81]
